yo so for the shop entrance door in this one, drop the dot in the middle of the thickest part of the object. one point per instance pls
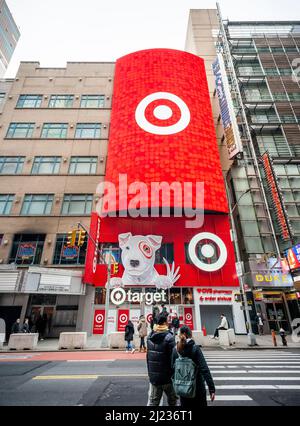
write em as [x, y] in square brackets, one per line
[36, 311]
[277, 316]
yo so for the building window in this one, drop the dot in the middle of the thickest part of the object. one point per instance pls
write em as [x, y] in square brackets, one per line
[2, 97]
[46, 165]
[92, 101]
[6, 201]
[294, 97]
[285, 71]
[280, 96]
[11, 165]
[54, 130]
[20, 130]
[29, 101]
[111, 250]
[271, 71]
[64, 255]
[27, 249]
[88, 131]
[83, 165]
[77, 204]
[61, 101]
[166, 251]
[37, 204]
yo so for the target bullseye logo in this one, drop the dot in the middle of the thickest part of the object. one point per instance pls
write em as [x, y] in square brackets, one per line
[208, 251]
[99, 319]
[162, 112]
[149, 318]
[188, 317]
[123, 318]
[118, 296]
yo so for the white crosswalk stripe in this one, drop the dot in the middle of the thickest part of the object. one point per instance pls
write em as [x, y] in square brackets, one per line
[242, 377]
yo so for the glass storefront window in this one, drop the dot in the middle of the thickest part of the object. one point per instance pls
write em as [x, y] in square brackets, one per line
[100, 295]
[187, 296]
[175, 296]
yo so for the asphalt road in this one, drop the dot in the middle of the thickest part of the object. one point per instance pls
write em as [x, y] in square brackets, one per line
[246, 378]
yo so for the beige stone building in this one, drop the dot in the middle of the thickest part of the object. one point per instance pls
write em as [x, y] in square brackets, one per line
[54, 126]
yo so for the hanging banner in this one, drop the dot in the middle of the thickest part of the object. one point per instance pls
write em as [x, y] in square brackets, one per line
[276, 197]
[123, 317]
[188, 318]
[99, 318]
[232, 134]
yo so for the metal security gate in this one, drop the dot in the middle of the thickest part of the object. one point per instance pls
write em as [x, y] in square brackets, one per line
[210, 316]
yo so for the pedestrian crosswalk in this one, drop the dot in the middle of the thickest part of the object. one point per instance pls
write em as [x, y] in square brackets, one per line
[240, 377]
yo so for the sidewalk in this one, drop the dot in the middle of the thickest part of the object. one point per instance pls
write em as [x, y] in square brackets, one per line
[94, 344]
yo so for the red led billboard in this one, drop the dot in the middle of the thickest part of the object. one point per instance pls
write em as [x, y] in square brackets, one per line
[162, 127]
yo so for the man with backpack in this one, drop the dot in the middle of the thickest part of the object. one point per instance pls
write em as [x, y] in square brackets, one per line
[160, 344]
[191, 372]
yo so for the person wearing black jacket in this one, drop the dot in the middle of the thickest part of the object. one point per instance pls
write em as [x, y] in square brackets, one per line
[175, 324]
[186, 347]
[16, 328]
[160, 344]
[129, 332]
[25, 327]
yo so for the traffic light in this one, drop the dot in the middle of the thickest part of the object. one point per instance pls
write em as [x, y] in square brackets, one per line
[71, 238]
[115, 268]
[81, 238]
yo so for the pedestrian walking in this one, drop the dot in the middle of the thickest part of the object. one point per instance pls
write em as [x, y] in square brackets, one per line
[16, 327]
[142, 329]
[260, 324]
[164, 310]
[223, 326]
[129, 333]
[191, 372]
[155, 314]
[283, 336]
[175, 324]
[25, 326]
[160, 344]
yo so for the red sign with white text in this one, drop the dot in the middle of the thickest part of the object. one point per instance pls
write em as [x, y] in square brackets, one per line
[188, 318]
[123, 317]
[99, 318]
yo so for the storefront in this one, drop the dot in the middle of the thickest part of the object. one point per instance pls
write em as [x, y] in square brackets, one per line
[52, 294]
[210, 303]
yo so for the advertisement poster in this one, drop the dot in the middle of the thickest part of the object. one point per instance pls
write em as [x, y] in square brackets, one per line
[123, 317]
[293, 257]
[99, 318]
[188, 318]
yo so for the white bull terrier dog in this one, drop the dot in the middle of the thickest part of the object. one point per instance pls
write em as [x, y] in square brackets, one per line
[138, 258]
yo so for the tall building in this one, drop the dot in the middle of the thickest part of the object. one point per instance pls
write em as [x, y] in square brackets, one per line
[53, 145]
[9, 36]
[257, 77]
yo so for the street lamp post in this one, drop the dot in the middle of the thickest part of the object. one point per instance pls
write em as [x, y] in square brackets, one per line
[251, 335]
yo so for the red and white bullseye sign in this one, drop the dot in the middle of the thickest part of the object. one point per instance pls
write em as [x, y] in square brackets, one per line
[188, 318]
[123, 317]
[149, 318]
[162, 113]
[99, 319]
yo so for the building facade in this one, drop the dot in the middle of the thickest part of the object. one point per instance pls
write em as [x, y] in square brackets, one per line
[9, 36]
[260, 61]
[54, 132]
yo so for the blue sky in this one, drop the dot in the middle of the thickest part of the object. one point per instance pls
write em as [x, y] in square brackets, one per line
[56, 31]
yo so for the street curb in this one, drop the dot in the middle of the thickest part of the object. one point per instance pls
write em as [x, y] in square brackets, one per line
[207, 348]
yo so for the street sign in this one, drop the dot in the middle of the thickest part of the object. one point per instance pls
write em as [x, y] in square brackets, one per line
[249, 308]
